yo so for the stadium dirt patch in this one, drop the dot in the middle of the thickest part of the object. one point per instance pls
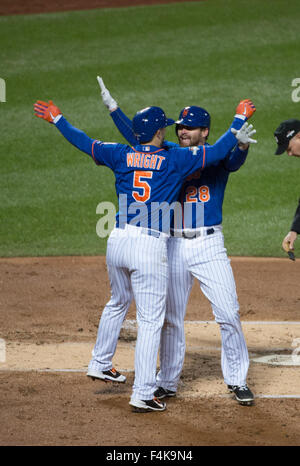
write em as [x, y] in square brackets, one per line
[50, 309]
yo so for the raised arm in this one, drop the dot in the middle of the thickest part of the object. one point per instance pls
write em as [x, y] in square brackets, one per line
[235, 159]
[239, 128]
[101, 153]
[50, 112]
[238, 155]
[122, 122]
[208, 155]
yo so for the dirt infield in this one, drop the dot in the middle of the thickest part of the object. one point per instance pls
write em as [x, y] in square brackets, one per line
[57, 299]
[50, 308]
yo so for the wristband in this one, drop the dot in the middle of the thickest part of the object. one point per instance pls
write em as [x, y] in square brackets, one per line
[242, 117]
[57, 118]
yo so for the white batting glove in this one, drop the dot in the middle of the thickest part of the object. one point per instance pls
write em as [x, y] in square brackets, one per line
[108, 101]
[244, 134]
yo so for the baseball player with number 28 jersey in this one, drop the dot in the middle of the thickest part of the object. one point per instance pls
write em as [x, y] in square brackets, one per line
[137, 255]
[199, 253]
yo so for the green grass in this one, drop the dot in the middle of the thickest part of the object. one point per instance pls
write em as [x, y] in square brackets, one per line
[209, 53]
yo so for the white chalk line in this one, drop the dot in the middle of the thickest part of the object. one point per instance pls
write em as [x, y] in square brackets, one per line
[277, 396]
[244, 322]
[255, 352]
[262, 396]
[188, 395]
[248, 322]
[131, 323]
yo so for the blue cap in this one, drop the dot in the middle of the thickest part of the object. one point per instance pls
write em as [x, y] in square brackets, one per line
[194, 116]
[146, 122]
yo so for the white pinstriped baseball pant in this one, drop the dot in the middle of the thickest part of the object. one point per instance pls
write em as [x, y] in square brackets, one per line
[204, 258]
[137, 267]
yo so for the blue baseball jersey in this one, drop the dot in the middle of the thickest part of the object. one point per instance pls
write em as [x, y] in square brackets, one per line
[148, 179]
[205, 186]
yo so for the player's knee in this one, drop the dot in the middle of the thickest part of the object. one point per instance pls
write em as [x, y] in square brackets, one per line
[228, 316]
[119, 305]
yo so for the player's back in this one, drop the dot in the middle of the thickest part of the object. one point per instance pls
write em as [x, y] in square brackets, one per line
[148, 181]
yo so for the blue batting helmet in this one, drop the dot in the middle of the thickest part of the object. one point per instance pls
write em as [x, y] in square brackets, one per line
[146, 122]
[194, 116]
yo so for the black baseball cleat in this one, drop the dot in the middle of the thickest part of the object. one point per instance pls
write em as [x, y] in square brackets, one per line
[161, 393]
[145, 406]
[107, 376]
[242, 394]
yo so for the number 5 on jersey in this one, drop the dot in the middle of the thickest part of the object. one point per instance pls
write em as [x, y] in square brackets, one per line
[145, 189]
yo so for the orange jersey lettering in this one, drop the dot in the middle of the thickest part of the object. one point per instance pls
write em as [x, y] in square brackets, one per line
[144, 160]
[130, 157]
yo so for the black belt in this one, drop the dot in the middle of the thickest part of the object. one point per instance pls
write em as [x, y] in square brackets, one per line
[191, 235]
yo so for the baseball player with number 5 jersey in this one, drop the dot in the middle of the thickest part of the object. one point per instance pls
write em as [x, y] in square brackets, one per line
[197, 251]
[146, 176]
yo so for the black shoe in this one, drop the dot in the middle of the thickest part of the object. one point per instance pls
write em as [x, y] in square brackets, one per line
[145, 406]
[242, 394]
[161, 393]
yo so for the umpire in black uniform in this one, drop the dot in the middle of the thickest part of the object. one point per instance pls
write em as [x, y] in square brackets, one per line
[287, 136]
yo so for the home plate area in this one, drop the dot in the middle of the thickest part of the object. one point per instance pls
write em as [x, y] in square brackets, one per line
[273, 348]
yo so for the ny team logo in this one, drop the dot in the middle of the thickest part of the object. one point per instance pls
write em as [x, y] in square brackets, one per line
[2, 90]
[185, 112]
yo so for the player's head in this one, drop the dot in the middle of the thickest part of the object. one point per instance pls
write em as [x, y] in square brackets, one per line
[148, 121]
[287, 136]
[192, 126]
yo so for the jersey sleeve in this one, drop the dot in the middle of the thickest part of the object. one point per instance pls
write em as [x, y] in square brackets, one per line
[124, 125]
[188, 159]
[296, 222]
[198, 157]
[106, 153]
[169, 145]
[235, 159]
[101, 152]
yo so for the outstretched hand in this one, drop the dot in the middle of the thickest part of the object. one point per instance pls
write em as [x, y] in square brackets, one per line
[244, 134]
[108, 101]
[46, 110]
[245, 108]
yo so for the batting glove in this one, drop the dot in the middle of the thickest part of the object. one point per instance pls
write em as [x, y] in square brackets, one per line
[46, 110]
[244, 134]
[108, 101]
[245, 109]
